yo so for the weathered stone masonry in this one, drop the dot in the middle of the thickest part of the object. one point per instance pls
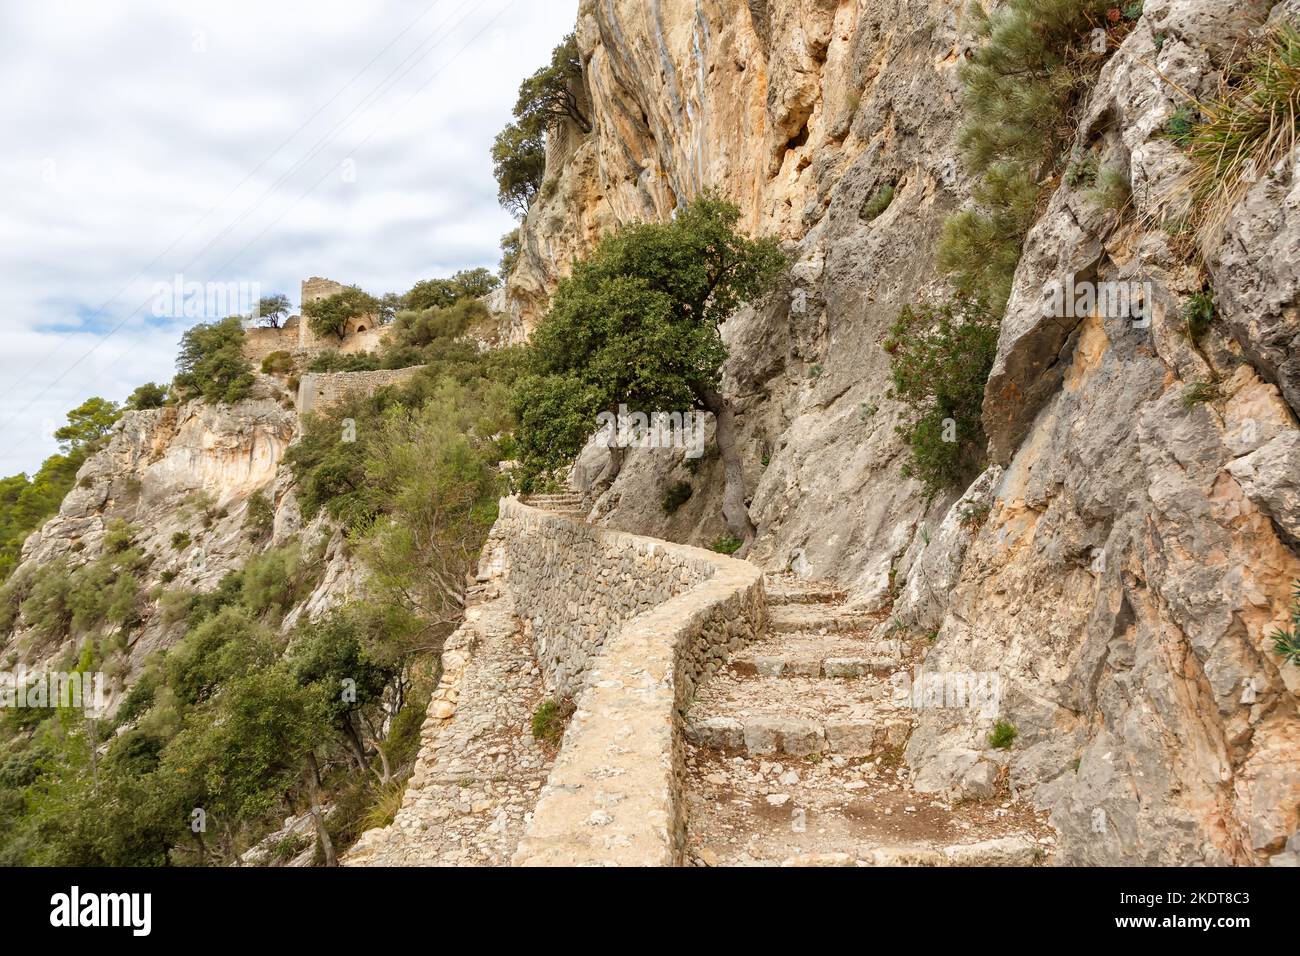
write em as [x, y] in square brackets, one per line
[629, 626]
[319, 390]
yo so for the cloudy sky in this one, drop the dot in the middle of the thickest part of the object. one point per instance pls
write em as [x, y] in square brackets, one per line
[233, 142]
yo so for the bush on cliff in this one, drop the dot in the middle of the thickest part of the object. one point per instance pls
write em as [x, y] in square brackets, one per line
[211, 363]
[940, 360]
[1019, 92]
[639, 323]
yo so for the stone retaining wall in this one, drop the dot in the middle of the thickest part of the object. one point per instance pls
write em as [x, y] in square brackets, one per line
[628, 626]
[317, 391]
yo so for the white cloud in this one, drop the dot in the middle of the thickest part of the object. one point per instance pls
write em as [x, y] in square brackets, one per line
[141, 141]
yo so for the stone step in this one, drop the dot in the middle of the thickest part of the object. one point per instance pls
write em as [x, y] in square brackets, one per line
[815, 618]
[799, 737]
[1015, 850]
[802, 655]
[778, 596]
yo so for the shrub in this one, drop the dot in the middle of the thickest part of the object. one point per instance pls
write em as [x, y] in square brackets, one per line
[1198, 315]
[878, 203]
[278, 362]
[1019, 89]
[726, 545]
[676, 496]
[1002, 736]
[940, 360]
[259, 517]
[549, 719]
[1286, 641]
[180, 540]
[211, 363]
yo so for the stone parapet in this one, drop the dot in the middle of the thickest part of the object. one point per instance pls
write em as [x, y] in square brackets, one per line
[629, 627]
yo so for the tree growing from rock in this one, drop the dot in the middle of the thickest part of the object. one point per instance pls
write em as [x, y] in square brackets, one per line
[549, 98]
[211, 363]
[638, 323]
[272, 309]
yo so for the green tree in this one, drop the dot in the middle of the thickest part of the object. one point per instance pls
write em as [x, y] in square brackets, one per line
[638, 322]
[272, 309]
[444, 293]
[211, 363]
[149, 395]
[940, 361]
[551, 96]
[511, 247]
[519, 163]
[88, 423]
[330, 655]
[26, 503]
[330, 316]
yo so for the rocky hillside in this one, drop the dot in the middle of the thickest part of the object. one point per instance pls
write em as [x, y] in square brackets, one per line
[1133, 542]
[180, 481]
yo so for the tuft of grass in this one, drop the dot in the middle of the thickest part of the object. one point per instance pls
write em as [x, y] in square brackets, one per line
[676, 496]
[1286, 641]
[726, 545]
[1234, 138]
[550, 718]
[1002, 735]
[383, 808]
[1198, 315]
[878, 203]
[1199, 393]
[1110, 189]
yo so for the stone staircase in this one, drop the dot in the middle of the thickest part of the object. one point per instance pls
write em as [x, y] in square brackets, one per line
[567, 503]
[794, 755]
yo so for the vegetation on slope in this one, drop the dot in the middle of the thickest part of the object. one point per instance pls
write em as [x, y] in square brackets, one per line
[1020, 89]
[638, 323]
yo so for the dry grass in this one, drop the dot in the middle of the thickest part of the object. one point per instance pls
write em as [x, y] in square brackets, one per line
[1241, 133]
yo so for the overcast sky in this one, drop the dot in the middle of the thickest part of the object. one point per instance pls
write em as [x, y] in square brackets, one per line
[233, 142]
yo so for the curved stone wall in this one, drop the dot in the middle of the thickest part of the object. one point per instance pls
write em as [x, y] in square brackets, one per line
[628, 626]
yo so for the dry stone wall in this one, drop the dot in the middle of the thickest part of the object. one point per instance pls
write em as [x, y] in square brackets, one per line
[318, 391]
[629, 626]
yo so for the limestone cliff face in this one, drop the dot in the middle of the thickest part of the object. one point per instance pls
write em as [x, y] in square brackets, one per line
[188, 469]
[1137, 552]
